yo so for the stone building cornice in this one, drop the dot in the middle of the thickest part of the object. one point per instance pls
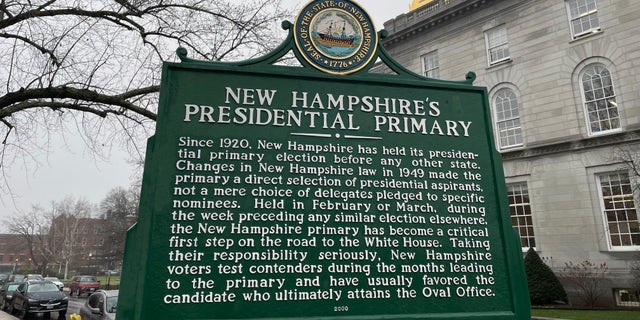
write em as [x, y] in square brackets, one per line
[428, 16]
[611, 140]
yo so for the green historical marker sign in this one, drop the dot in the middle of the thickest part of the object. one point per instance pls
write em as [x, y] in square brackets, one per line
[324, 191]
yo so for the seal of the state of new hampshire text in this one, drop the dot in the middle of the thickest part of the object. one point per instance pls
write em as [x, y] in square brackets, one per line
[335, 36]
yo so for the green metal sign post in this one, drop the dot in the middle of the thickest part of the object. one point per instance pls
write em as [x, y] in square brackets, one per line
[321, 191]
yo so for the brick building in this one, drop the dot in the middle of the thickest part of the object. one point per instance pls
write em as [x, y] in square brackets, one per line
[14, 254]
[96, 247]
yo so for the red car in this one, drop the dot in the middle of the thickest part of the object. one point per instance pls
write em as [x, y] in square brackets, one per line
[84, 284]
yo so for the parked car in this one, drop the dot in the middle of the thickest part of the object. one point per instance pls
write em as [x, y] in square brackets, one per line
[25, 277]
[56, 281]
[34, 277]
[83, 284]
[16, 278]
[6, 292]
[3, 277]
[101, 305]
[38, 297]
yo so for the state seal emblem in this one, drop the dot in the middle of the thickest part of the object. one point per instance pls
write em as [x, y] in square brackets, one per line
[335, 36]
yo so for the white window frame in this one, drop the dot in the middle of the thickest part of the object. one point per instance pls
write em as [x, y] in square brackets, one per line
[604, 104]
[497, 41]
[431, 64]
[590, 11]
[501, 118]
[631, 293]
[528, 217]
[604, 210]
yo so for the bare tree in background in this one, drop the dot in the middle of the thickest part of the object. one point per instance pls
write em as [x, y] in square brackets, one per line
[50, 236]
[65, 230]
[119, 210]
[91, 68]
[33, 228]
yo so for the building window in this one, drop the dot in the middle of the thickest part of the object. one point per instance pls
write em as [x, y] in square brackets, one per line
[520, 210]
[619, 210]
[497, 45]
[599, 97]
[627, 297]
[583, 17]
[431, 65]
[507, 119]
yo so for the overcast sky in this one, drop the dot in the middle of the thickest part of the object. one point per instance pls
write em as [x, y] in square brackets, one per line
[68, 169]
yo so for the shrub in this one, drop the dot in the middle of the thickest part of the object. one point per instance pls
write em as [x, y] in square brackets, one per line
[544, 286]
[635, 273]
[589, 278]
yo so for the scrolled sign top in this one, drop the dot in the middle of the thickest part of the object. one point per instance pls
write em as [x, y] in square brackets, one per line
[335, 36]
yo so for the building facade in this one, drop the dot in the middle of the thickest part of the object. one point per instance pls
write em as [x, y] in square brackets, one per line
[563, 79]
[89, 245]
[14, 253]
[77, 245]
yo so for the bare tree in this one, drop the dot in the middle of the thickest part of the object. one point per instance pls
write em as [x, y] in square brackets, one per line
[92, 67]
[33, 228]
[119, 210]
[588, 278]
[629, 157]
[64, 230]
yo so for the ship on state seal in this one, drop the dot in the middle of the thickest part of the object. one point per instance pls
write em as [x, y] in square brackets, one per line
[336, 36]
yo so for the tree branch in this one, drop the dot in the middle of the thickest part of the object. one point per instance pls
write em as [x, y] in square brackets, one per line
[21, 100]
[104, 14]
[33, 44]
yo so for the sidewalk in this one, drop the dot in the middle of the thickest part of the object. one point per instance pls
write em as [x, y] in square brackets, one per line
[6, 316]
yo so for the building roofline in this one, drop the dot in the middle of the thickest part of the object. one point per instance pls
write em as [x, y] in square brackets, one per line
[428, 16]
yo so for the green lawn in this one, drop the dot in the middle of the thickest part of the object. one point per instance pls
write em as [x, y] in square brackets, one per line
[587, 314]
[114, 281]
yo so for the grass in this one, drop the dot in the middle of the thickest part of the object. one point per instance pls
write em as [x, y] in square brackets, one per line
[115, 280]
[587, 314]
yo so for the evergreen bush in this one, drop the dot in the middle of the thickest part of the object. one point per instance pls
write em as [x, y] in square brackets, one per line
[544, 286]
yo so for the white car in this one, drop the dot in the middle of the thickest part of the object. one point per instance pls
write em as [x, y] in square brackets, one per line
[101, 305]
[56, 281]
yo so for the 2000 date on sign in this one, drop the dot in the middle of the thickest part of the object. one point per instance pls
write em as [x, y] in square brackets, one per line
[341, 308]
